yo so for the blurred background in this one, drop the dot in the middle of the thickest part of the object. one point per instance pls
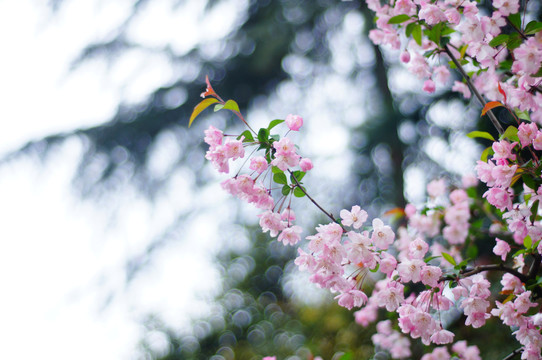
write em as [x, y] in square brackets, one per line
[117, 241]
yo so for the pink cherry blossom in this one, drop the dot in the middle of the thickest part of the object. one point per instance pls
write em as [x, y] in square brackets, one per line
[523, 302]
[388, 263]
[441, 74]
[436, 188]
[430, 275]
[500, 198]
[294, 122]
[305, 164]
[383, 235]
[442, 337]
[501, 249]
[391, 296]
[271, 221]
[258, 164]
[213, 137]
[234, 149]
[352, 298]
[290, 235]
[410, 270]
[503, 150]
[405, 57]
[461, 88]
[417, 249]
[506, 7]
[355, 217]
[453, 16]
[432, 14]
[537, 141]
[429, 86]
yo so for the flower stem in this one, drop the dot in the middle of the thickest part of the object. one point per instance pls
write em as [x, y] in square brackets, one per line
[473, 89]
[314, 201]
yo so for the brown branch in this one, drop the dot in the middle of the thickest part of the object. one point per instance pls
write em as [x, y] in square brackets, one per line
[535, 267]
[473, 89]
[513, 354]
[517, 29]
[494, 267]
[314, 201]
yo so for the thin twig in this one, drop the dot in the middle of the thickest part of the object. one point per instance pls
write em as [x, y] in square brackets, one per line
[494, 267]
[513, 354]
[314, 201]
[535, 267]
[517, 29]
[473, 89]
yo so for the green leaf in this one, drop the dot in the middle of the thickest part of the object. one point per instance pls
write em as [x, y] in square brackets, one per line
[274, 123]
[286, 190]
[399, 19]
[347, 356]
[409, 28]
[527, 242]
[498, 40]
[511, 133]
[472, 251]
[516, 20]
[462, 264]
[481, 134]
[449, 258]
[218, 107]
[514, 41]
[417, 34]
[485, 154]
[375, 268]
[231, 105]
[523, 115]
[298, 192]
[519, 252]
[447, 31]
[204, 104]
[444, 40]
[248, 136]
[538, 73]
[280, 179]
[529, 181]
[533, 27]
[276, 170]
[506, 65]
[462, 51]
[427, 259]
[534, 211]
[298, 175]
[434, 33]
[263, 135]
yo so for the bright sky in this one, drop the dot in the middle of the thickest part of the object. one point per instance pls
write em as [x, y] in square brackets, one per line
[60, 257]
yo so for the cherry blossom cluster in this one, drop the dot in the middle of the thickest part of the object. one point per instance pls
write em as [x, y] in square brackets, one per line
[460, 29]
[281, 156]
[429, 264]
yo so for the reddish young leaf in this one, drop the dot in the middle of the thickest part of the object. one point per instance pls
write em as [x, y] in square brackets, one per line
[209, 91]
[200, 107]
[502, 92]
[491, 105]
[395, 212]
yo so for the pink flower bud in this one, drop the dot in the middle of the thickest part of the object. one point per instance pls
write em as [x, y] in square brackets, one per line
[405, 57]
[294, 122]
[305, 164]
[429, 86]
